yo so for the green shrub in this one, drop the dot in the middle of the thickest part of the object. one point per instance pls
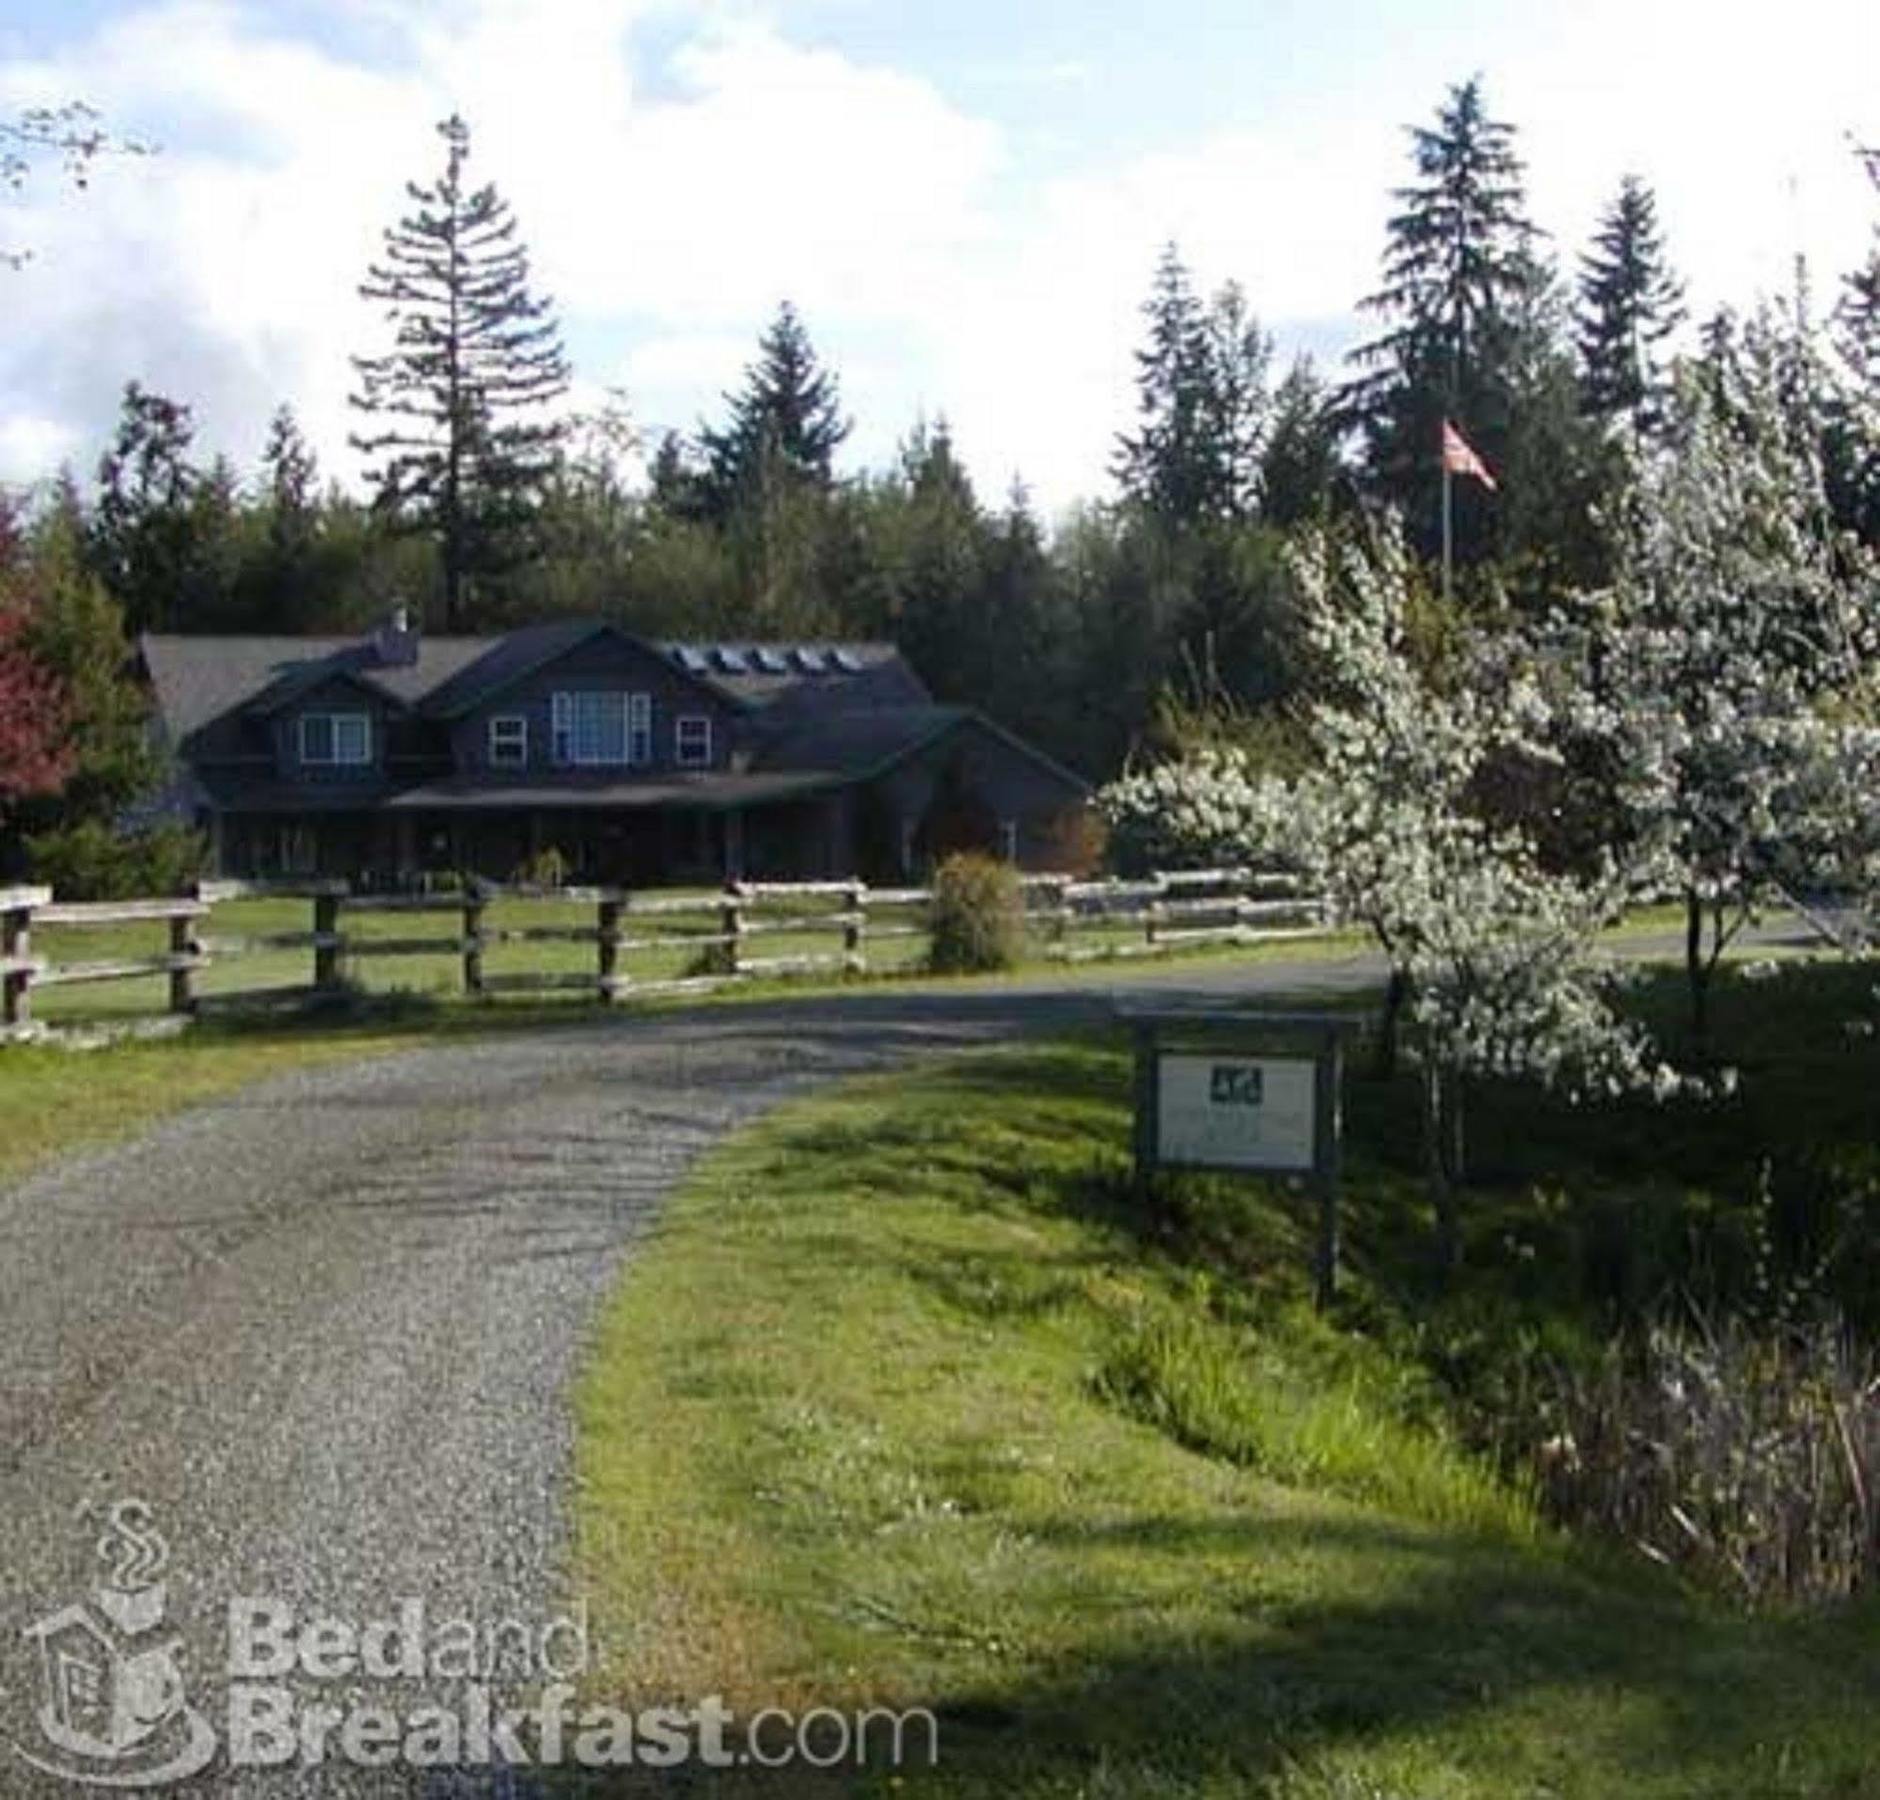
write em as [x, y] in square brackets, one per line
[90, 861]
[545, 869]
[978, 916]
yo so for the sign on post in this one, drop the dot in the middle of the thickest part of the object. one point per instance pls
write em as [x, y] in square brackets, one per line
[1235, 1090]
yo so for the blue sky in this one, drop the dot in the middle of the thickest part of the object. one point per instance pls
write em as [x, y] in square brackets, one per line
[965, 201]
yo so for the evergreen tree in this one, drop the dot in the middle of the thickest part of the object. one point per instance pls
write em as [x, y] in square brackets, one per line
[476, 356]
[1630, 302]
[785, 426]
[1858, 316]
[1301, 471]
[675, 484]
[290, 479]
[1459, 272]
[1201, 404]
[1854, 446]
[143, 533]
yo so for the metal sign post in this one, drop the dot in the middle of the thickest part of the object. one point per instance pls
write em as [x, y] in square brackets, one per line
[1235, 1090]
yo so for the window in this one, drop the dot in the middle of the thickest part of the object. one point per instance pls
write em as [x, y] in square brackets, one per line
[602, 730]
[509, 741]
[336, 738]
[692, 741]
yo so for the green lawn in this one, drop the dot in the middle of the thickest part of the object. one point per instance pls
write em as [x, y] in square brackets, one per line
[909, 1402]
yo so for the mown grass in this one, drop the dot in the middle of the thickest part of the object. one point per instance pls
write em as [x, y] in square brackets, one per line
[912, 1401]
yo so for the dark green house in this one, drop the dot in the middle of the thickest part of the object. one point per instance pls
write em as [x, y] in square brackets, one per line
[386, 756]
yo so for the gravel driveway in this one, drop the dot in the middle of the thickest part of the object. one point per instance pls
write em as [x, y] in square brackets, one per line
[325, 1328]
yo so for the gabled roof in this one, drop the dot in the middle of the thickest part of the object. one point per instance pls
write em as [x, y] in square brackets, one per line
[862, 744]
[198, 680]
[511, 658]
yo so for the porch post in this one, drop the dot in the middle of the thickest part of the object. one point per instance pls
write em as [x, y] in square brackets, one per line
[734, 844]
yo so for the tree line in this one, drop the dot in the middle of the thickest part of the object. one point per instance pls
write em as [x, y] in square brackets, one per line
[1132, 620]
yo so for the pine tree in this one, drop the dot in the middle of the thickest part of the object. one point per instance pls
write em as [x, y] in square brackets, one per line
[1630, 302]
[1201, 401]
[142, 538]
[1301, 472]
[1858, 317]
[1460, 269]
[476, 357]
[785, 427]
[291, 475]
[1854, 445]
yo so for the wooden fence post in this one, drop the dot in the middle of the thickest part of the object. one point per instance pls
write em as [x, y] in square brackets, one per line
[1058, 928]
[607, 945]
[16, 952]
[181, 945]
[855, 929]
[1149, 905]
[474, 901]
[326, 907]
[731, 926]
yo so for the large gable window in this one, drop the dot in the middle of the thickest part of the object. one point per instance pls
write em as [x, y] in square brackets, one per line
[336, 739]
[602, 729]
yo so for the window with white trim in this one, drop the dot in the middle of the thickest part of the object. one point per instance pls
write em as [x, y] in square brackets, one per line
[601, 729]
[692, 741]
[509, 741]
[336, 739]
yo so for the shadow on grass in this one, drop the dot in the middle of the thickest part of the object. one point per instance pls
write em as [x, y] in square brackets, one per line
[1463, 1640]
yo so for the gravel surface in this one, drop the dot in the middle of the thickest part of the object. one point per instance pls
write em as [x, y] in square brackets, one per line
[326, 1328]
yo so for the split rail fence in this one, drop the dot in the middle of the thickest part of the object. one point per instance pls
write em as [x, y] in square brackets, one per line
[596, 941]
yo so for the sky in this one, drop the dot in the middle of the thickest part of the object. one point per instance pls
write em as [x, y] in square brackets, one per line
[965, 202]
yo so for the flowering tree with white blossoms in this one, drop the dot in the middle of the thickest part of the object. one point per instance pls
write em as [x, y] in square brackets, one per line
[1710, 672]
[1491, 955]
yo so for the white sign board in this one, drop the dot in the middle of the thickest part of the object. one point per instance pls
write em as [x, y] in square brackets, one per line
[1242, 1112]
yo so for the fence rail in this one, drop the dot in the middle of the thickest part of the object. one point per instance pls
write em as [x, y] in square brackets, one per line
[704, 940]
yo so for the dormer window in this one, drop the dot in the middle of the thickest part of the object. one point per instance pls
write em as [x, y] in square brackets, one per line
[692, 741]
[336, 740]
[509, 741]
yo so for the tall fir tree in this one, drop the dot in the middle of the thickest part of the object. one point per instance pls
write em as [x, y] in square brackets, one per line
[785, 424]
[1460, 273]
[1302, 475]
[142, 541]
[460, 397]
[1857, 318]
[1201, 402]
[1630, 303]
[1854, 446]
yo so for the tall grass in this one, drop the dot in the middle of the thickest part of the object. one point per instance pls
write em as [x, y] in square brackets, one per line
[1241, 1396]
[1749, 1456]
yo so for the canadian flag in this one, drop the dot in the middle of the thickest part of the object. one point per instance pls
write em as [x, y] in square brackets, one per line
[1459, 457]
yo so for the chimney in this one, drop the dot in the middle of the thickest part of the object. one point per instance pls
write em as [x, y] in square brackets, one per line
[396, 641]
